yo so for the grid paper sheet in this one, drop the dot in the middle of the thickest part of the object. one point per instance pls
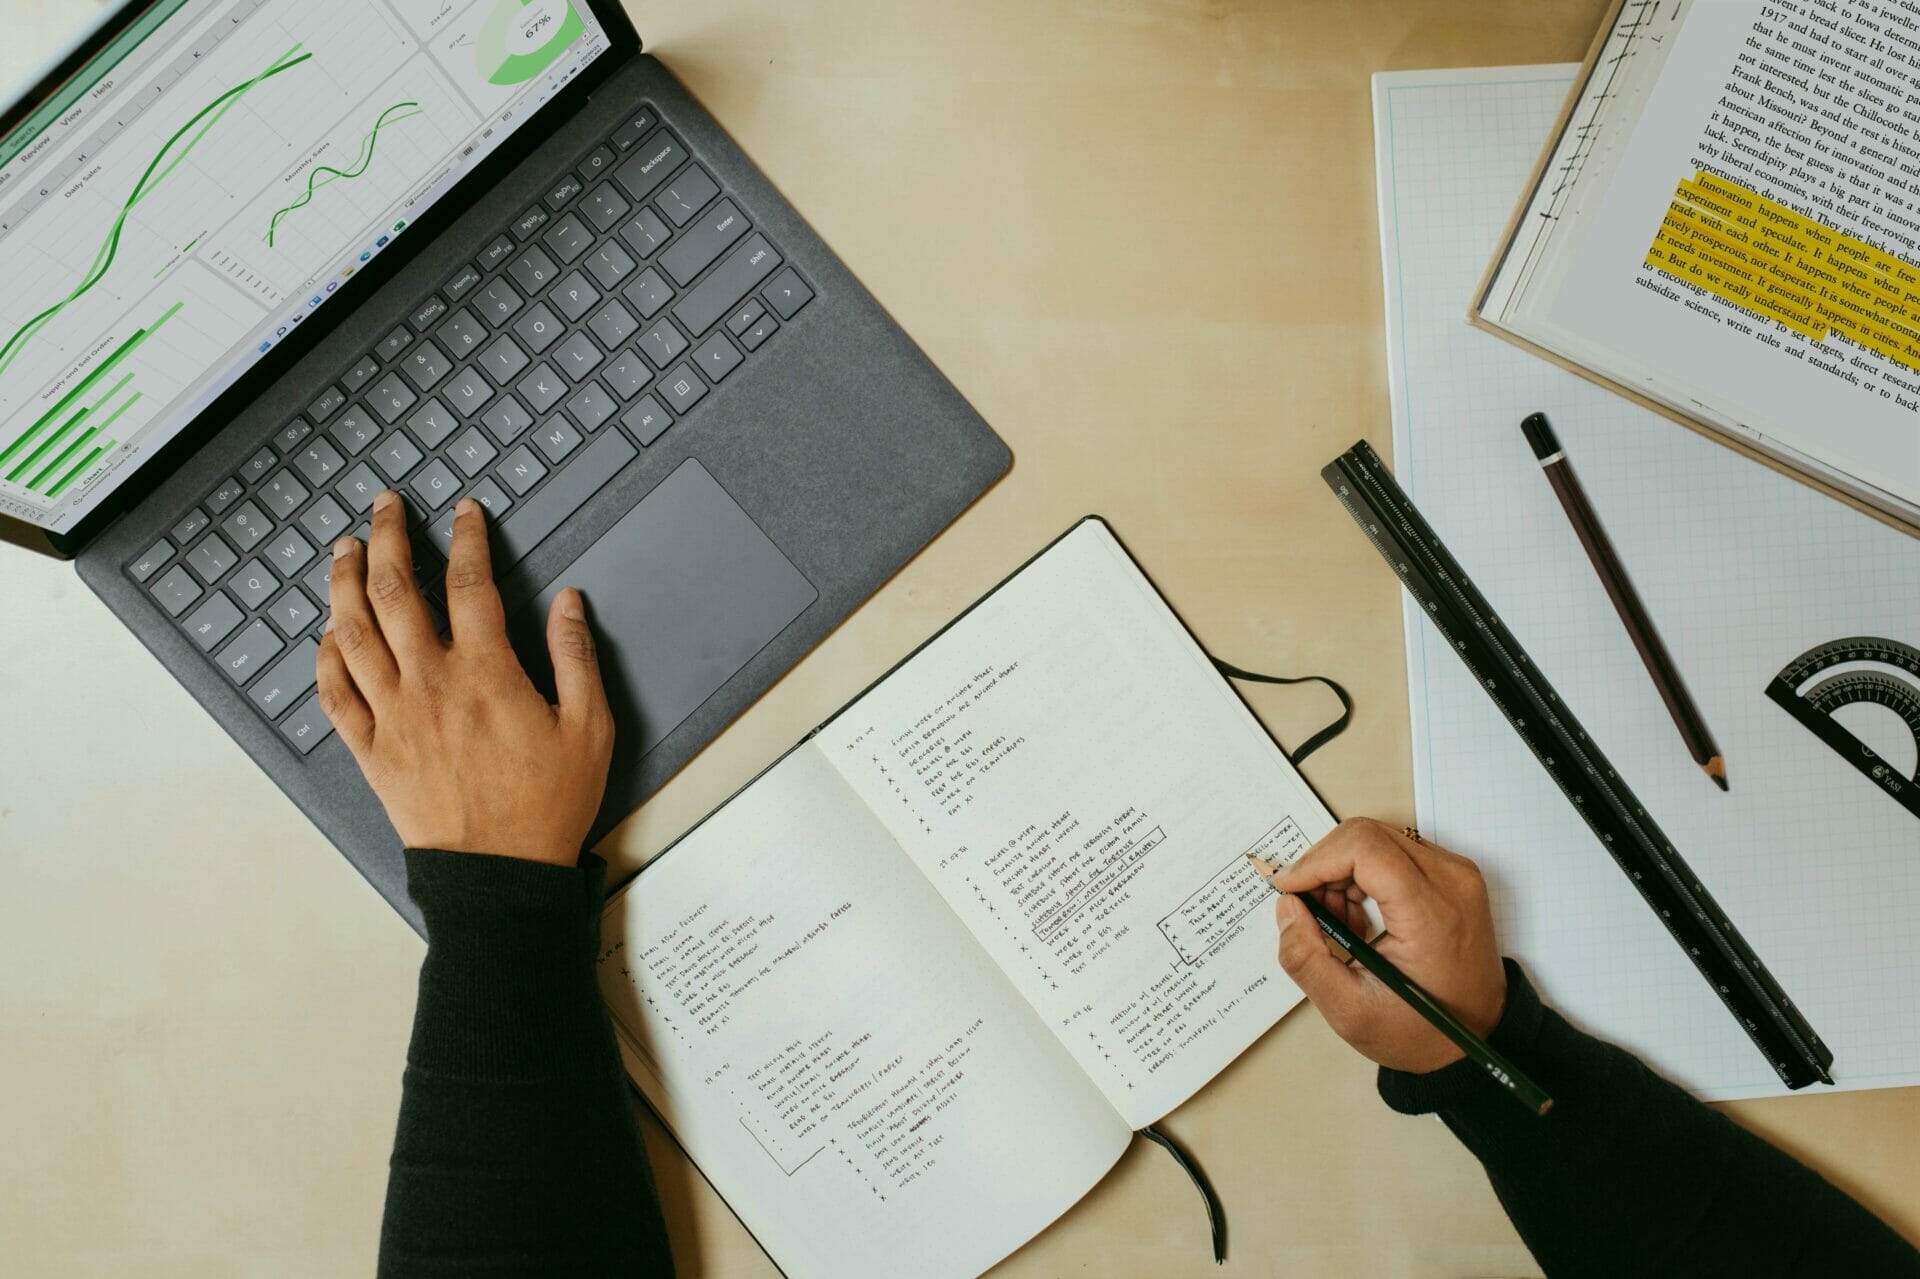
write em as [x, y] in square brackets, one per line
[1741, 568]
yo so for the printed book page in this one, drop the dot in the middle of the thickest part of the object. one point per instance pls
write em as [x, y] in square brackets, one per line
[832, 1048]
[1070, 772]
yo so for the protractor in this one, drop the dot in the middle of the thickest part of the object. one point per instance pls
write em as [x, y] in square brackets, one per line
[1855, 689]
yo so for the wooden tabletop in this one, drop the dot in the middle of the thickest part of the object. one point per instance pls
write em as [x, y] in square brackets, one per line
[1139, 236]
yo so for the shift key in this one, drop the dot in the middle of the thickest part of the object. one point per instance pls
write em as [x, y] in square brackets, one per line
[732, 280]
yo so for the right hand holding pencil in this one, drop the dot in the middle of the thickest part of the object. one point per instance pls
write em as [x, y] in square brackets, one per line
[1439, 932]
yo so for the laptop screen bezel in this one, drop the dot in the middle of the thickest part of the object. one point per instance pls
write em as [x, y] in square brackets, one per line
[623, 43]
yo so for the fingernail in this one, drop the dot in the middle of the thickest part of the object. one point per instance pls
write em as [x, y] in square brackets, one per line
[570, 606]
[328, 626]
[466, 506]
[343, 548]
[1286, 920]
[384, 498]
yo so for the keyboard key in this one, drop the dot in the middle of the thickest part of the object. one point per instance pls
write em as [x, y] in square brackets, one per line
[175, 590]
[325, 521]
[605, 207]
[788, 293]
[574, 296]
[656, 160]
[471, 452]
[491, 496]
[467, 392]
[507, 420]
[462, 332]
[288, 552]
[149, 564]
[436, 484]
[557, 438]
[257, 466]
[608, 265]
[283, 494]
[648, 294]
[662, 343]
[591, 407]
[503, 360]
[360, 488]
[568, 187]
[496, 253]
[627, 374]
[432, 423]
[683, 388]
[293, 612]
[461, 284]
[598, 161]
[288, 680]
[254, 648]
[529, 223]
[319, 580]
[355, 430]
[688, 195]
[717, 357]
[532, 270]
[736, 276]
[394, 343]
[633, 130]
[427, 313]
[440, 531]
[646, 419]
[539, 328]
[307, 727]
[396, 455]
[613, 325]
[577, 357]
[252, 584]
[390, 398]
[568, 238]
[426, 366]
[645, 233]
[327, 405]
[541, 389]
[226, 495]
[530, 523]
[762, 330]
[213, 559]
[319, 462]
[194, 521]
[521, 471]
[364, 370]
[497, 302]
[743, 317]
[213, 621]
[246, 526]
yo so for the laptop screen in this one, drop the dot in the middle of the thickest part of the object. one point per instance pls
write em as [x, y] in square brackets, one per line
[207, 181]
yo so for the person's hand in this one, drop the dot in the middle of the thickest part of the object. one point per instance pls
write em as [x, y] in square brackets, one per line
[1439, 932]
[453, 737]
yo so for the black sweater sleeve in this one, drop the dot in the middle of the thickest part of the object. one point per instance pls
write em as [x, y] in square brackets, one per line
[1628, 1175]
[518, 1151]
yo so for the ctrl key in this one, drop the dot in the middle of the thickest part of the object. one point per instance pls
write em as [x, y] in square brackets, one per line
[307, 727]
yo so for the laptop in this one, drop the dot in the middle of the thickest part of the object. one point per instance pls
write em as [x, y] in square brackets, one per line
[267, 257]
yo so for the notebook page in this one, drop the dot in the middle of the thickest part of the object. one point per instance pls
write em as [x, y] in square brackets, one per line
[856, 1079]
[1081, 785]
[1741, 568]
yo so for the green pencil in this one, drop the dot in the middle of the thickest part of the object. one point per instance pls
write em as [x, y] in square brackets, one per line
[1478, 1050]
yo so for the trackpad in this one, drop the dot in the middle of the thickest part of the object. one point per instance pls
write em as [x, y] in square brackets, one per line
[681, 593]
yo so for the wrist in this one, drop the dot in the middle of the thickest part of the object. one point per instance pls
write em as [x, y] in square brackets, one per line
[1514, 1032]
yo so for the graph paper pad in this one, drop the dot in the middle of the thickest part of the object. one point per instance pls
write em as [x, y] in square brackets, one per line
[1741, 568]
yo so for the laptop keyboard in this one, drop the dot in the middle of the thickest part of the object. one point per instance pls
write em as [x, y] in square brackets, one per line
[591, 325]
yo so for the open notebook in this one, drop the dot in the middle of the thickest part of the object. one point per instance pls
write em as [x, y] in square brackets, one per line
[908, 995]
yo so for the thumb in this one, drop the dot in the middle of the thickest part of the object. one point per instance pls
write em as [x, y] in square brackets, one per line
[576, 667]
[1336, 989]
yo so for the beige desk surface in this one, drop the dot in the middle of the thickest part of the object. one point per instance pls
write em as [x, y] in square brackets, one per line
[1140, 236]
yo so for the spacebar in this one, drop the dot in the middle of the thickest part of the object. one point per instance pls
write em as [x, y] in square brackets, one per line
[532, 520]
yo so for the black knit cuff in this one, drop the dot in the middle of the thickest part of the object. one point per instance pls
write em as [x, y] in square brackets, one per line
[1465, 1080]
[472, 895]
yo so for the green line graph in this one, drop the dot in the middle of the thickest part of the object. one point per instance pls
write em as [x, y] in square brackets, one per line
[204, 120]
[321, 174]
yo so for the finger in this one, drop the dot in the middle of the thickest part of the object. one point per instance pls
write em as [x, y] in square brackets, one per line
[576, 666]
[352, 625]
[473, 601]
[1363, 851]
[340, 700]
[396, 599]
[1336, 988]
